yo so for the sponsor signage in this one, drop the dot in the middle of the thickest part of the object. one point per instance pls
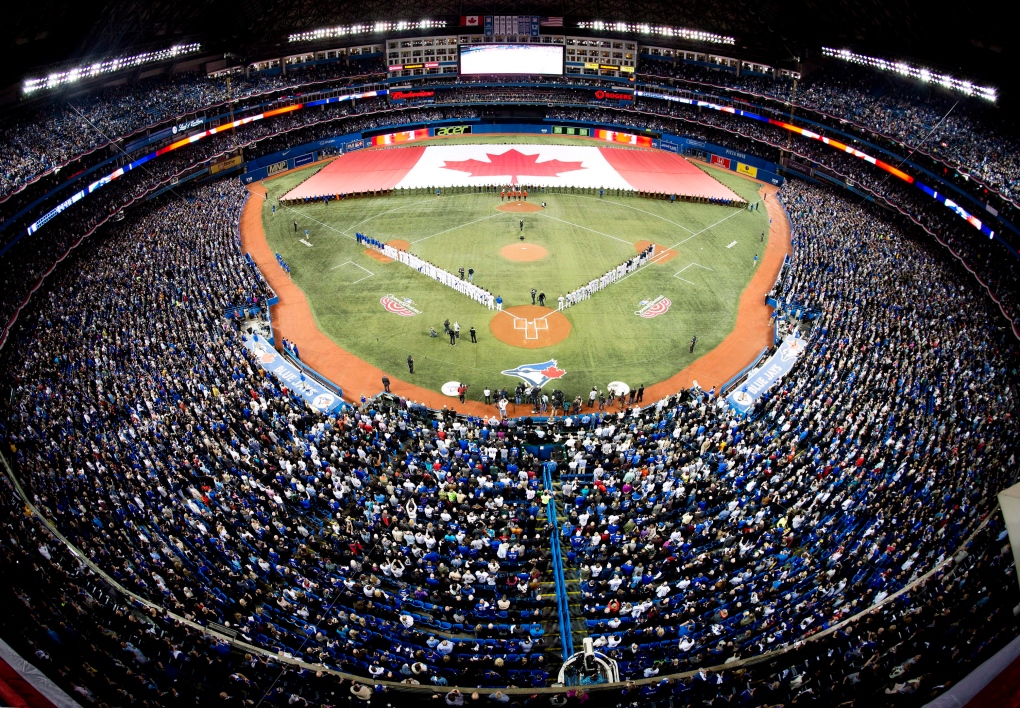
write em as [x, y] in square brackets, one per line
[317, 395]
[354, 145]
[404, 95]
[723, 162]
[422, 65]
[762, 378]
[403, 136]
[747, 170]
[276, 168]
[627, 69]
[666, 145]
[452, 130]
[613, 95]
[591, 65]
[609, 67]
[304, 159]
[187, 125]
[225, 164]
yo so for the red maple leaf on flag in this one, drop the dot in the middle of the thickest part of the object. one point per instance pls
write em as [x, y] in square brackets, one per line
[513, 163]
[553, 372]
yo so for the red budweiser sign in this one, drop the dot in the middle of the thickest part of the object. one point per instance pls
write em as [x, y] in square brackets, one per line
[401, 95]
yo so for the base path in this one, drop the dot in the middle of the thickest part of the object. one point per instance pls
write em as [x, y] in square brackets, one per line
[530, 326]
[292, 319]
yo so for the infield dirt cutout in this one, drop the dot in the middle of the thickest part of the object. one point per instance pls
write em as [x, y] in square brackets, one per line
[662, 254]
[519, 207]
[523, 252]
[530, 326]
[399, 244]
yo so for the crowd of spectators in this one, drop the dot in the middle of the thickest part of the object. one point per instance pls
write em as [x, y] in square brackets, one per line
[967, 134]
[70, 126]
[412, 546]
[710, 539]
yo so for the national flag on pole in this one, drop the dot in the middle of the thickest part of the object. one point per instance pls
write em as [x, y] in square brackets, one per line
[470, 20]
[551, 22]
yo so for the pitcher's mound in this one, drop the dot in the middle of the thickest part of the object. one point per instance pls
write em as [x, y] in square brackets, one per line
[530, 326]
[519, 207]
[523, 252]
[399, 244]
[662, 254]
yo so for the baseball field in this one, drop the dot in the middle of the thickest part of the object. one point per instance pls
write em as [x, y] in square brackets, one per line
[636, 331]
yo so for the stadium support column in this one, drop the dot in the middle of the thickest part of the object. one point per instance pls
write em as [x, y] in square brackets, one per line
[283, 66]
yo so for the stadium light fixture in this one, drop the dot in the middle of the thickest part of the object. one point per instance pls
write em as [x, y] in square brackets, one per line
[661, 30]
[921, 73]
[107, 66]
[380, 27]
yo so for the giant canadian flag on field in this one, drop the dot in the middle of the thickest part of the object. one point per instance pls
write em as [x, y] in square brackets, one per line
[586, 166]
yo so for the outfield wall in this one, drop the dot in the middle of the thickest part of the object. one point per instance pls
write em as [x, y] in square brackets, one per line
[309, 153]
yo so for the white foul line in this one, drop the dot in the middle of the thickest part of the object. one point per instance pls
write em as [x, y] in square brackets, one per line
[454, 228]
[662, 253]
[689, 265]
[628, 206]
[732, 245]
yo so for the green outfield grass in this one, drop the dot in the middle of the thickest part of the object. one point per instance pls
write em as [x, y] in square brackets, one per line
[584, 235]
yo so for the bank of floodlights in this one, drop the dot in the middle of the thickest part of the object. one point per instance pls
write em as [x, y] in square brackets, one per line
[660, 30]
[923, 74]
[364, 28]
[107, 66]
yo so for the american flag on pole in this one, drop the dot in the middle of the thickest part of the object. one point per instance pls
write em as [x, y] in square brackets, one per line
[551, 22]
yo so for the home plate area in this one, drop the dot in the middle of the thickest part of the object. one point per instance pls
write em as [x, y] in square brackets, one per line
[530, 326]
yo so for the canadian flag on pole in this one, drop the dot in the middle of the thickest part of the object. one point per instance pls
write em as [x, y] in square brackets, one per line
[470, 20]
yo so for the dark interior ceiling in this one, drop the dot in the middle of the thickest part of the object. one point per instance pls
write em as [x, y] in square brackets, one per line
[972, 42]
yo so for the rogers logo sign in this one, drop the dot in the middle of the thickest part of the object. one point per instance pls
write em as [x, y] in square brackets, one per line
[613, 96]
[400, 95]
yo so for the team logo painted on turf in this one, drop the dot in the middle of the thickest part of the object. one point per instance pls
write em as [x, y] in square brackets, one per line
[537, 374]
[398, 306]
[450, 388]
[654, 308]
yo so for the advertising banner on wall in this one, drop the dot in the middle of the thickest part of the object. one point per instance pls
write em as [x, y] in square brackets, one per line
[743, 398]
[317, 395]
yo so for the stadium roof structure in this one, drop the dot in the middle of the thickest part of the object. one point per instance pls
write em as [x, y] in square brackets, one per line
[49, 31]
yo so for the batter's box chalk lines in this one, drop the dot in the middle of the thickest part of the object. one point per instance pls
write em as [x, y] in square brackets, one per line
[370, 273]
[530, 327]
[691, 265]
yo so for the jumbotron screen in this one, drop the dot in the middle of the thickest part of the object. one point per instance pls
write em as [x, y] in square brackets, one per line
[525, 59]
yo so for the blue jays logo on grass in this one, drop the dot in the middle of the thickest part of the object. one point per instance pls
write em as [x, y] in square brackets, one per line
[537, 374]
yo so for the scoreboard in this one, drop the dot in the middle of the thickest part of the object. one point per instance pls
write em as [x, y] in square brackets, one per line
[503, 25]
[571, 130]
